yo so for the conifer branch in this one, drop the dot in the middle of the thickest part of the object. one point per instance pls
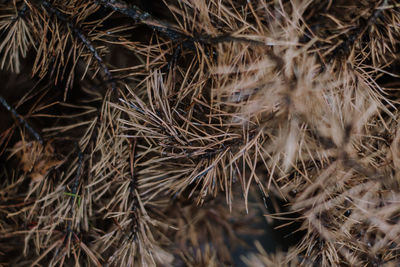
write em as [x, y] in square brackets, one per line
[21, 120]
[348, 44]
[169, 30]
[81, 36]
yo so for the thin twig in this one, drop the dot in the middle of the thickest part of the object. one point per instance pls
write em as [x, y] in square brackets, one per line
[133, 186]
[21, 120]
[132, 163]
[78, 173]
[74, 189]
[169, 29]
[82, 36]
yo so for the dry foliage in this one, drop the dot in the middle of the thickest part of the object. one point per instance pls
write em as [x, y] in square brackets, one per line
[156, 130]
[36, 159]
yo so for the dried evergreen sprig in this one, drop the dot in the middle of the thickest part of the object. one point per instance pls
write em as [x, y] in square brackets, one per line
[206, 141]
[16, 37]
[361, 31]
[349, 203]
[227, 95]
[59, 40]
[58, 230]
[80, 35]
[60, 52]
[318, 120]
[133, 238]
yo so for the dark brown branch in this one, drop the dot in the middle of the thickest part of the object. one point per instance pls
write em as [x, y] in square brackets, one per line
[132, 187]
[21, 120]
[82, 36]
[168, 29]
[78, 173]
[74, 190]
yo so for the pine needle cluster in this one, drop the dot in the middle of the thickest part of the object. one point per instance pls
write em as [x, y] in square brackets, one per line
[139, 134]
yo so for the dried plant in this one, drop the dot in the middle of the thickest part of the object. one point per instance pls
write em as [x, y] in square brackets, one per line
[142, 137]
